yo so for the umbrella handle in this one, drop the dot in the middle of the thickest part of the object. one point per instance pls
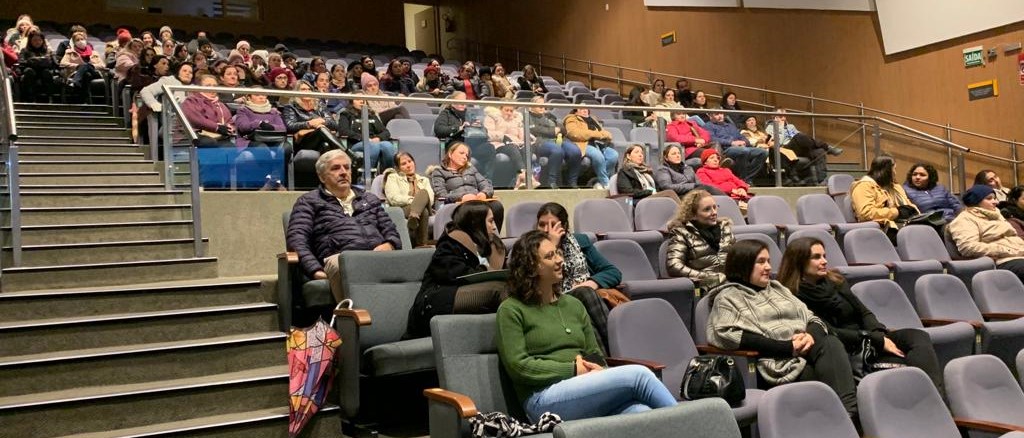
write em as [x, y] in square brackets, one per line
[344, 304]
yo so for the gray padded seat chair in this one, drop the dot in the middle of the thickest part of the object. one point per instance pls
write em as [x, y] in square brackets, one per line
[623, 125]
[944, 296]
[653, 214]
[468, 365]
[401, 128]
[374, 348]
[426, 122]
[1020, 367]
[921, 242]
[903, 403]
[845, 204]
[774, 253]
[640, 280]
[836, 259]
[890, 305]
[701, 311]
[425, 150]
[648, 136]
[442, 216]
[651, 330]
[803, 410]
[839, 184]
[998, 291]
[727, 208]
[819, 208]
[871, 246]
[377, 187]
[607, 219]
[982, 388]
[521, 217]
[773, 210]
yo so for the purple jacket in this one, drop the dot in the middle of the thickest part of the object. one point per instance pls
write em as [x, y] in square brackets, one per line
[319, 228]
[247, 121]
[205, 114]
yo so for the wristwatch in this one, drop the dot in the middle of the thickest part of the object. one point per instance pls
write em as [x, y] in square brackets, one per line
[863, 334]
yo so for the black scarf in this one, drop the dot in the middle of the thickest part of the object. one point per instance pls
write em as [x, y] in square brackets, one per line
[711, 234]
[1012, 211]
[677, 167]
[592, 124]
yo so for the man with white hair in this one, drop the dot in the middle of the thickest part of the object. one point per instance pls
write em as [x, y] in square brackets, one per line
[336, 217]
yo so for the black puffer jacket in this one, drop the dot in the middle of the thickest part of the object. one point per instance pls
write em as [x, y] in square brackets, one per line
[448, 124]
[350, 125]
[296, 118]
[450, 186]
[319, 228]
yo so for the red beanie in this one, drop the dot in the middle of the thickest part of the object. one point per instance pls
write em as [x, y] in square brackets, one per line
[123, 36]
[707, 154]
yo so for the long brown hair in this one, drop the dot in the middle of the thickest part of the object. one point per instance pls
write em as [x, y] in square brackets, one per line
[523, 280]
[798, 253]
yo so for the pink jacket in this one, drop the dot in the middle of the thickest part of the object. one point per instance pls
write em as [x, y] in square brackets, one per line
[680, 132]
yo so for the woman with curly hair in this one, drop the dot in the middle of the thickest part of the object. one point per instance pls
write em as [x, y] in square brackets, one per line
[547, 345]
[923, 189]
[699, 240]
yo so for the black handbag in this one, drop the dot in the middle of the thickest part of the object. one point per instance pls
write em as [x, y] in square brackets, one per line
[932, 218]
[713, 376]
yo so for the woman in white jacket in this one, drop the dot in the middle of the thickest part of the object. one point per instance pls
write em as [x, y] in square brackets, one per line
[404, 188]
[151, 93]
[505, 131]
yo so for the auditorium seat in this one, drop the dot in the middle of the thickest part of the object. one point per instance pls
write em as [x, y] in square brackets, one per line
[922, 242]
[803, 410]
[871, 246]
[641, 282]
[981, 388]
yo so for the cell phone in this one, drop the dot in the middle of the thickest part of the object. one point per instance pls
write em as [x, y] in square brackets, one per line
[595, 358]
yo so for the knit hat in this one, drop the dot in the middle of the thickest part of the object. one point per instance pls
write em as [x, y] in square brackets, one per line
[278, 71]
[166, 29]
[707, 154]
[123, 36]
[235, 57]
[367, 79]
[242, 43]
[977, 193]
[262, 54]
[200, 42]
[280, 48]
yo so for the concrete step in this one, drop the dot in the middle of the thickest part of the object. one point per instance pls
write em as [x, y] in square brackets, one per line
[115, 329]
[91, 177]
[63, 139]
[101, 252]
[59, 123]
[37, 188]
[96, 409]
[99, 198]
[32, 166]
[106, 274]
[149, 297]
[78, 131]
[101, 232]
[139, 363]
[81, 156]
[100, 214]
[26, 146]
[36, 117]
[264, 423]
[61, 108]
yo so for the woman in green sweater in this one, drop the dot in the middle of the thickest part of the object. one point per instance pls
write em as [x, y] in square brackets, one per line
[547, 345]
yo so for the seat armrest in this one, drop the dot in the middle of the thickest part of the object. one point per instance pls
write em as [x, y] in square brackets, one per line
[463, 405]
[1002, 315]
[781, 227]
[709, 349]
[665, 233]
[651, 365]
[932, 322]
[360, 316]
[291, 257]
[601, 236]
[987, 426]
[619, 196]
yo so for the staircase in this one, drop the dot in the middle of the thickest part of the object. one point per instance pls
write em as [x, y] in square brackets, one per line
[111, 326]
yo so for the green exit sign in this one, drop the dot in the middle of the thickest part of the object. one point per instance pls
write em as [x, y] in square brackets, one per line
[973, 56]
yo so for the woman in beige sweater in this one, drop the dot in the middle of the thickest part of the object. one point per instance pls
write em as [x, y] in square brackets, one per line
[981, 231]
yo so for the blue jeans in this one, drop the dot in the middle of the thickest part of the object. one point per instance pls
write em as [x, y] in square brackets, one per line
[603, 162]
[749, 161]
[567, 152]
[384, 150]
[618, 390]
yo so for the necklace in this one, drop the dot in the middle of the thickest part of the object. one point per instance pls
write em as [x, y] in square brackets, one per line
[568, 330]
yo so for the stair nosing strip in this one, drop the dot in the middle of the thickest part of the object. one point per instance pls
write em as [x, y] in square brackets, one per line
[128, 289]
[76, 267]
[203, 382]
[74, 186]
[61, 137]
[256, 416]
[102, 154]
[153, 347]
[22, 142]
[135, 316]
[102, 193]
[102, 207]
[52, 246]
[102, 225]
[23, 162]
[94, 173]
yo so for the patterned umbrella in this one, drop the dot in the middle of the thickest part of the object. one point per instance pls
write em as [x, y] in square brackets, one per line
[311, 367]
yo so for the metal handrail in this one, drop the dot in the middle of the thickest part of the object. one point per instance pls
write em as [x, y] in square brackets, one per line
[651, 73]
[13, 186]
[171, 104]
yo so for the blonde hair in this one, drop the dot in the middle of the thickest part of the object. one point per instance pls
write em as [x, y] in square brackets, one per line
[687, 209]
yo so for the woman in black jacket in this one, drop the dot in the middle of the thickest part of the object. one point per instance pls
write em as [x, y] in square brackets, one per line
[470, 245]
[350, 124]
[312, 126]
[804, 270]
[452, 126]
[38, 68]
[531, 81]
[635, 177]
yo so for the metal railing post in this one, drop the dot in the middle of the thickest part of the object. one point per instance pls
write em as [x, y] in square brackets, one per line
[1013, 155]
[365, 126]
[863, 136]
[526, 144]
[590, 74]
[14, 190]
[813, 120]
[165, 113]
[877, 135]
[775, 151]
[661, 139]
[949, 155]
[519, 65]
[565, 70]
[961, 171]
[197, 217]
[618, 79]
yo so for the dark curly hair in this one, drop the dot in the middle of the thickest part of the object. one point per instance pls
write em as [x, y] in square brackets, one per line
[933, 175]
[522, 266]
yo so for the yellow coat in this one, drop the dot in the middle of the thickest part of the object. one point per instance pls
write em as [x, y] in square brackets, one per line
[873, 203]
[577, 131]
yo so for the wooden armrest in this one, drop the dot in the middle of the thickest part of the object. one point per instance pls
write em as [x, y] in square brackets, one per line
[361, 316]
[291, 256]
[601, 236]
[463, 404]
[619, 196]
[931, 322]
[1002, 315]
[889, 265]
[837, 194]
[619, 361]
[987, 426]
[708, 349]
[780, 227]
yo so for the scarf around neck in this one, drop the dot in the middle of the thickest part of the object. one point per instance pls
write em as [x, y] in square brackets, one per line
[259, 108]
[575, 263]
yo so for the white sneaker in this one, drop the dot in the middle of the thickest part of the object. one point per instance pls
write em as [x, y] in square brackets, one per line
[599, 186]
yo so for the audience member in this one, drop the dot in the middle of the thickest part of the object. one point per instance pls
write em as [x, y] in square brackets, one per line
[802, 145]
[312, 128]
[981, 231]
[749, 161]
[317, 65]
[639, 118]
[336, 217]
[379, 148]
[486, 83]
[431, 82]
[675, 175]
[206, 48]
[636, 179]
[193, 46]
[149, 42]
[700, 101]
[685, 131]
[530, 80]
[469, 245]
[730, 102]
[595, 142]
[543, 337]
[405, 188]
[685, 96]
[699, 240]
[584, 271]
[159, 68]
[1013, 209]
[753, 312]
[713, 174]
[456, 180]
[127, 59]
[245, 49]
[279, 78]
[201, 66]
[761, 139]
[152, 93]
[209, 116]
[990, 178]
[652, 96]
[668, 100]
[467, 83]
[549, 143]
[805, 270]
[368, 65]
[408, 72]
[355, 75]
[37, 68]
[167, 48]
[877, 197]
[18, 35]
[504, 126]
[502, 86]
[257, 152]
[386, 109]
[923, 189]
[394, 80]
[454, 124]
